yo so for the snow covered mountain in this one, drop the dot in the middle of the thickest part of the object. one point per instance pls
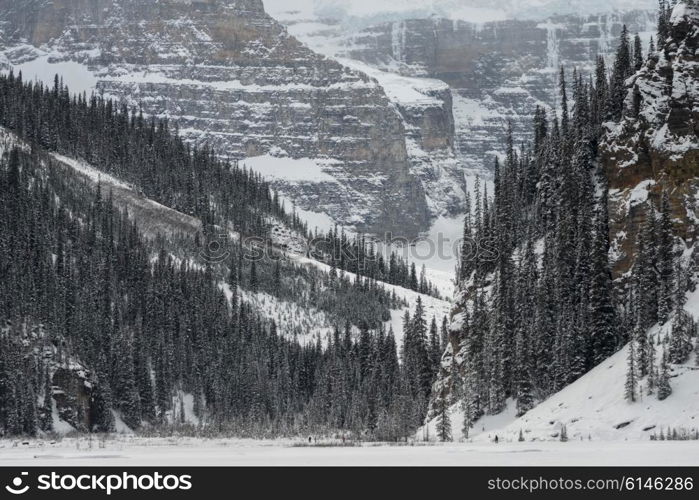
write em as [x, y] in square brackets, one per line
[382, 138]
[232, 77]
[655, 148]
[497, 69]
[72, 382]
[381, 121]
[647, 387]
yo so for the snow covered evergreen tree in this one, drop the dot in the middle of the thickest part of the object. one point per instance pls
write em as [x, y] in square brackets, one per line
[631, 385]
[443, 420]
[664, 388]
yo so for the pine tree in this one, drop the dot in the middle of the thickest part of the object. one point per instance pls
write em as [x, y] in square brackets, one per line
[652, 369]
[664, 388]
[468, 420]
[233, 281]
[413, 282]
[681, 337]
[564, 101]
[630, 388]
[601, 95]
[665, 259]
[443, 420]
[277, 277]
[435, 348]
[100, 408]
[47, 407]
[645, 277]
[640, 338]
[622, 70]
[663, 23]
[602, 312]
[444, 334]
[637, 53]
[253, 277]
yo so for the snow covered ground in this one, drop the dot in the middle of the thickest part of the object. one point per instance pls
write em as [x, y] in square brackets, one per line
[132, 451]
[594, 407]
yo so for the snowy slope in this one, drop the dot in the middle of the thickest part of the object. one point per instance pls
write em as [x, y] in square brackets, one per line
[433, 307]
[437, 248]
[594, 406]
[306, 325]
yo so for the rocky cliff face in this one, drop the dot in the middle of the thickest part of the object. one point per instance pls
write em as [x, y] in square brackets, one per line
[494, 72]
[654, 149]
[231, 76]
[71, 383]
[498, 71]
[656, 146]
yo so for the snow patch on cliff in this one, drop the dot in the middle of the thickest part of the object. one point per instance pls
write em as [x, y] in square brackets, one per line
[292, 170]
[38, 66]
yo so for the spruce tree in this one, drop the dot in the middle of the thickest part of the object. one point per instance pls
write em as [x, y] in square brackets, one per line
[681, 338]
[602, 312]
[665, 259]
[637, 53]
[443, 426]
[663, 22]
[622, 70]
[630, 387]
[253, 283]
[643, 348]
[652, 369]
[664, 388]
[645, 276]
[435, 348]
[47, 407]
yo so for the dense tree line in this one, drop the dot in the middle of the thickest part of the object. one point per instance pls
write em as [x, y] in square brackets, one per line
[140, 151]
[149, 326]
[544, 310]
[362, 256]
[146, 153]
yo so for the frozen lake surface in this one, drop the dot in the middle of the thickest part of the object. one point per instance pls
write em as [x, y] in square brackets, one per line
[128, 451]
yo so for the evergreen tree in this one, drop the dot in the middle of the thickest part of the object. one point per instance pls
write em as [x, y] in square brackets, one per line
[631, 386]
[253, 276]
[443, 420]
[664, 11]
[652, 369]
[435, 347]
[602, 313]
[637, 53]
[100, 408]
[468, 420]
[664, 388]
[47, 407]
[645, 277]
[622, 70]
[665, 259]
[681, 337]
